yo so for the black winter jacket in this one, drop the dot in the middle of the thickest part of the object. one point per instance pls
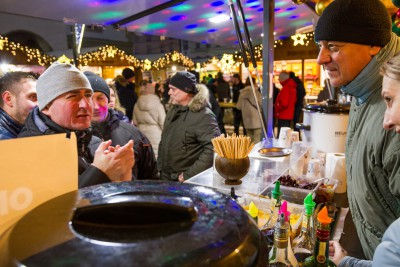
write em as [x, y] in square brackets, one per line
[120, 133]
[9, 128]
[185, 145]
[37, 124]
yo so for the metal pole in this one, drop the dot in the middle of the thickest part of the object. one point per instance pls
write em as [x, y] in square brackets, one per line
[268, 64]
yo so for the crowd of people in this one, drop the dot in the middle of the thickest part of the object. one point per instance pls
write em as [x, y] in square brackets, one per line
[361, 56]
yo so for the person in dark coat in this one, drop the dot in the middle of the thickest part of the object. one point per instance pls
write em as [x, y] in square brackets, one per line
[18, 98]
[65, 105]
[300, 93]
[185, 148]
[107, 126]
[237, 114]
[126, 91]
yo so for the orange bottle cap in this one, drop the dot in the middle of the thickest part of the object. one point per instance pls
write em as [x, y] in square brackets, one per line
[323, 217]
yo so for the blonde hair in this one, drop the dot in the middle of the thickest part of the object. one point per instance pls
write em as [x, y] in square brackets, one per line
[391, 68]
[117, 106]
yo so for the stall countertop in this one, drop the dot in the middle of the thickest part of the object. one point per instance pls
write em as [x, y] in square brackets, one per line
[262, 173]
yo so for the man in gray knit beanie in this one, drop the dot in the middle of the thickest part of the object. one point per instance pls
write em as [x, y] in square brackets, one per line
[355, 39]
[58, 79]
[65, 105]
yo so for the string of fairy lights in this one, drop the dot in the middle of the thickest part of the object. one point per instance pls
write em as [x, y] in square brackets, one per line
[32, 55]
[108, 53]
[170, 58]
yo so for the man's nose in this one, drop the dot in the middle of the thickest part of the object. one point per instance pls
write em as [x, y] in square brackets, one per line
[323, 56]
[84, 102]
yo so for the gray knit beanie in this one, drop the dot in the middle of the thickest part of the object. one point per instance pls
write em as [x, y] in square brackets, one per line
[355, 21]
[58, 79]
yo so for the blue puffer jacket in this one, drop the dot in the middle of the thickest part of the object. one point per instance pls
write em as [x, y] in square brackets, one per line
[387, 253]
[9, 128]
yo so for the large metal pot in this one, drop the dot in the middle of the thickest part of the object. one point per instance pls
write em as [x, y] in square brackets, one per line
[325, 126]
[141, 223]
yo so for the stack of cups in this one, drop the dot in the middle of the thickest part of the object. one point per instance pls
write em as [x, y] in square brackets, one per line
[313, 170]
[285, 136]
[336, 168]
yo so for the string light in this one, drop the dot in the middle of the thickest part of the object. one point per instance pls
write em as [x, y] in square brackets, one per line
[32, 55]
[64, 59]
[103, 55]
[299, 38]
[173, 57]
[227, 63]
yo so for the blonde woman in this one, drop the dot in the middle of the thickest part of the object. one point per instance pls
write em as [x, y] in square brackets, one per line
[115, 104]
[149, 114]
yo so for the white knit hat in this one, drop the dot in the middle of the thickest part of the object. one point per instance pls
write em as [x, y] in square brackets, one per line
[58, 79]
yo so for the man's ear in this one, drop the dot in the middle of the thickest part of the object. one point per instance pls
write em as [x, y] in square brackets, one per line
[374, 50]
[8, 98]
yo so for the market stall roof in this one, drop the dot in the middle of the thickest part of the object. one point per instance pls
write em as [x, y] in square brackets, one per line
[183, 19]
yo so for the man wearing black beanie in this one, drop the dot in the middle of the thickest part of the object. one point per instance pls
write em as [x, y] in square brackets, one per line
[126, 91]
[185, 148]
[107, 126]
[355, 39]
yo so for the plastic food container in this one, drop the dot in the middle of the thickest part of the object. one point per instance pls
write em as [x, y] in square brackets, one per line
[326, 191]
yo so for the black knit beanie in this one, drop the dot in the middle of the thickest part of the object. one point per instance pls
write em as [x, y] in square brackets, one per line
[355, 21]
[184, 81]
[98, 84]
[128, 73]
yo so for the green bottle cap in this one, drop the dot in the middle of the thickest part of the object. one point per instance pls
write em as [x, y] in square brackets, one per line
[309, 204]
[276, 193]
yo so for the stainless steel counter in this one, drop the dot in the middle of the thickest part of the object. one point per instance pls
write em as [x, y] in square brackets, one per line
[262, 173]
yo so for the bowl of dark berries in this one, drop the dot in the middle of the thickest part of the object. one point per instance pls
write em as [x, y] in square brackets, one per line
[295, 189]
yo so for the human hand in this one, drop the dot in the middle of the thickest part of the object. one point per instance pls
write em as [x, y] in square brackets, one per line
[336, 252]
[116, 162]
[180, 178]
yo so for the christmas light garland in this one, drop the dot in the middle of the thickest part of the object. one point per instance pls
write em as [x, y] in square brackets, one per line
[109, 52]
[32, 55]
[173, 57]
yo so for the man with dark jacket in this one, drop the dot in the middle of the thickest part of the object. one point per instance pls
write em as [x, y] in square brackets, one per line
[126, 91]
[300, 93]
[18, 98]
[65, 105]
[107, 126]
[237, 114]
[185, 148]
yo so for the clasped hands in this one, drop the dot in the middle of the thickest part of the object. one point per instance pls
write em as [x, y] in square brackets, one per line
[116, 162]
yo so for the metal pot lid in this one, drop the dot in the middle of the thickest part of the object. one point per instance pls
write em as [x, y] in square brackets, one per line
[330, 106]
[140, 223]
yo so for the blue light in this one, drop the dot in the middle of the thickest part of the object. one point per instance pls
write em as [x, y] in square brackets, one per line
[251, 1]
[204, 42]
[109, 1]
[212, 30]
[260, 9]
[191, 26]
[248, 20]
[277, 9]
[217, 3]
[291, 8]
[178, 17]
[293, 17]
